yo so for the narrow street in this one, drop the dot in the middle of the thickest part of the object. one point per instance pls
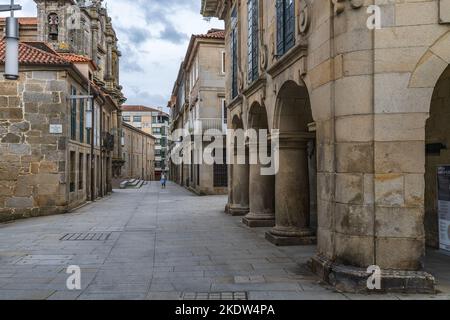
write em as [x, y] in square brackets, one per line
[154, 244]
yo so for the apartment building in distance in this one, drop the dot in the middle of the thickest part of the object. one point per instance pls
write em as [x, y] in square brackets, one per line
[155, 122]
[138, 152]
[198, 100]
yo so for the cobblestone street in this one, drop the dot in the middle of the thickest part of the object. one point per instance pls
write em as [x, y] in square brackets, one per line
[157, 244]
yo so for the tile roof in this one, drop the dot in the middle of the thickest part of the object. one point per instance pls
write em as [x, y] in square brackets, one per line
[75, 58]
[139, 108]
[212, 34]
[29, 54]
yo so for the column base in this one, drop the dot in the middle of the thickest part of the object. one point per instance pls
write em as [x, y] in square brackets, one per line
[354, 280]
[237, 211]
[259, 220]
[283, 241]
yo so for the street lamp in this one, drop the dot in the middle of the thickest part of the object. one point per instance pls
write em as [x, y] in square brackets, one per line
[12, 42]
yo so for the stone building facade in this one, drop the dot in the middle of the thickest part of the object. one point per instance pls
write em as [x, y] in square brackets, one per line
[138, 152]
[362, 119]
[50, 161]
[198, 100]
[155, 122]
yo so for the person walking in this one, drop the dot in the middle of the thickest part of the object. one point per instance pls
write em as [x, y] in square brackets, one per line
[163, 181]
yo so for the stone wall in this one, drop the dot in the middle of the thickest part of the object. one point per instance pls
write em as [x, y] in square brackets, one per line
[32, 161]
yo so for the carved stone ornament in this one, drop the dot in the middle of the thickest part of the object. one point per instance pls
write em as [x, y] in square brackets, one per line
[304, 20]
[264, 57]
[339, 5]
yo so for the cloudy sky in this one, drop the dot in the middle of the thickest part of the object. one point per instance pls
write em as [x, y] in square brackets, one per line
[153, 37]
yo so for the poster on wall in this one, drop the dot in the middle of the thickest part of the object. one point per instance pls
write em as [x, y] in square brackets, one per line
[444, 207]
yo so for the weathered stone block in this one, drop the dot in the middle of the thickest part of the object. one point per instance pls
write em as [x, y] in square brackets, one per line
[19, 202]
[354, 220]
[356, 251]
[400, 127]
[11, 138]
[357, 128]
[414, 190]
[8, 88]
[354, 95]
[11, 114]
[354, 157]
[48, 167]
[19, 127]
[349, 188]
[399, 157]
[20, 149]
[389, 189]
[400, 253]
[44, 75]
[400, 222]
[38, 97]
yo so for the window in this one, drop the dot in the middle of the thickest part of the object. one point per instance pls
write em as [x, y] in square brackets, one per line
[234, 55]
[221, 172]
[224, 66]
[53, 26]
[285, 25]
[126, 118]
[72, 171]
[224, 111]
[156, 130]
[252, 41]
[137, 119]
[73, 115]
[82, 121]
[81, 171]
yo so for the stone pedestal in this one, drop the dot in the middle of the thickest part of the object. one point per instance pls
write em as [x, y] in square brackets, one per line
[239, 205]
[355, 280]
[262, 199]
[292, 193]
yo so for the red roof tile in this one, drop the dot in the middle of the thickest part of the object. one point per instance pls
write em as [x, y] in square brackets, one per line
[31, 55]
[75, 58]
[212, 34]
[139, 108]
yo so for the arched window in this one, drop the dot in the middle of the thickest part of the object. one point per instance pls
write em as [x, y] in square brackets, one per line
[53, 26]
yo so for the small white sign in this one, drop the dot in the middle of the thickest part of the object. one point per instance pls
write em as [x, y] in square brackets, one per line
[56, 129]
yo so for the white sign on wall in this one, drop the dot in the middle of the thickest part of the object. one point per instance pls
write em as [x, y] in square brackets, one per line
[444, 206]
[56, 129]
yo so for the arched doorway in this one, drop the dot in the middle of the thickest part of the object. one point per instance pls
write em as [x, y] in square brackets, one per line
[239, 192]
[262, 187]
[437, 168]
[295, 191]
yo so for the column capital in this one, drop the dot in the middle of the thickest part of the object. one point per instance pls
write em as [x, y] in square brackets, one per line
[293, 140]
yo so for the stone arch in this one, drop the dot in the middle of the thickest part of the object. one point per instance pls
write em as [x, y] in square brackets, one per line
[437, 142]
[432, 64]
[293, 108]
[257, 117]
[237, 123]
[295, 181]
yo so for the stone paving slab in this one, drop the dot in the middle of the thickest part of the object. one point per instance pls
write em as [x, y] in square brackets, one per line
[168, 245]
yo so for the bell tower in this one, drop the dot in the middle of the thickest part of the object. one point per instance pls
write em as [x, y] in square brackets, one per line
[55, 18]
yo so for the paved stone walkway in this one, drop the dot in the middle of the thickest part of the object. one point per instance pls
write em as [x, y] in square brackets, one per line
[159, 244]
